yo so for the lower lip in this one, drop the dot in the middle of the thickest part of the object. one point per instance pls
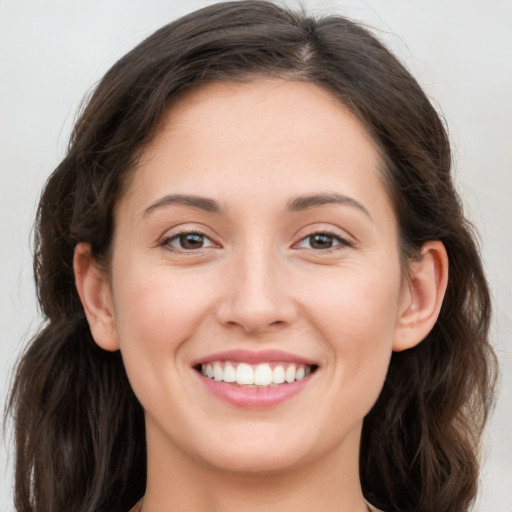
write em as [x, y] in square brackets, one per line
[254, 398]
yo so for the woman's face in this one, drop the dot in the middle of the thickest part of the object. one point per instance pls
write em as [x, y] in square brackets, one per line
[256, 240]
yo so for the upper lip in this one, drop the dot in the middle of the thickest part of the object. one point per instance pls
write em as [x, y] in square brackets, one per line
[254, 357]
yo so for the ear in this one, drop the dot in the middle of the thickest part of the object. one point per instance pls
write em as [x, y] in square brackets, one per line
[94, 291]
[423, 296]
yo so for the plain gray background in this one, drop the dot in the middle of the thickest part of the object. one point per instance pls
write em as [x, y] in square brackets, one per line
[52, 53]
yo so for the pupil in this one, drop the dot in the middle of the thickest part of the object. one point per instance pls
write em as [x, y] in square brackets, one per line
[321, 241]
[191, 241]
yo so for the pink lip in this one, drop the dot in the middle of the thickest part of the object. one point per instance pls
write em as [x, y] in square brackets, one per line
[252, 357]
[254, 398]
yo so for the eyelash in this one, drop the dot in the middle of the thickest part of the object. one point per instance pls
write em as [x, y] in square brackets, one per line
[166, 242]
[342, 242]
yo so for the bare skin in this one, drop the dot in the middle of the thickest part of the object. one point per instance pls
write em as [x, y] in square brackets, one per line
[258, 220]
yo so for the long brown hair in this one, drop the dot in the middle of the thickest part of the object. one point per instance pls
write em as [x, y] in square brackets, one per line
[79, 428]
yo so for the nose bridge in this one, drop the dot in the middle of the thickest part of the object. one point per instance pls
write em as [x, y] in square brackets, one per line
[257, 299]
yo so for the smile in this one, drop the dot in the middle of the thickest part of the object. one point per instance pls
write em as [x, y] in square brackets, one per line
[260, 375]
[255, 380]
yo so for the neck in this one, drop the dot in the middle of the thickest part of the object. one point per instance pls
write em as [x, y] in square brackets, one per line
[180, 483]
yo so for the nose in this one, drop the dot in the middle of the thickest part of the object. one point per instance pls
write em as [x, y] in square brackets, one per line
[257, 297]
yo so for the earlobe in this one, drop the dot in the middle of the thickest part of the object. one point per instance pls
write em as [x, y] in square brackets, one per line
[94, 292]
[424, 297]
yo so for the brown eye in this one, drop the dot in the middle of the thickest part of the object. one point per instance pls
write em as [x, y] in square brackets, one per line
[323, 241]
[188, 242]
[191, 241]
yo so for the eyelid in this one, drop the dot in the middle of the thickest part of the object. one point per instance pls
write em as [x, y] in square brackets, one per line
[172, 235]
[345, 240]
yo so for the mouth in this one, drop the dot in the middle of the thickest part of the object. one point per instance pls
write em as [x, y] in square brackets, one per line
[255, 380]
[263, 375]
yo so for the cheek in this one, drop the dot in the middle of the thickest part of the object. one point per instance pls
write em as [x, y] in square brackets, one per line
[358, 304]
[357, 317]
[156, 314]
[156, 310]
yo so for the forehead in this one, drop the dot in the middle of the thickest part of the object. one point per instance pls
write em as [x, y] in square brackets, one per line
[242, 110]
[273, 136]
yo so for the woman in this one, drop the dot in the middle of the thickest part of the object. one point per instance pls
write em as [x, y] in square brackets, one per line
[260, 288]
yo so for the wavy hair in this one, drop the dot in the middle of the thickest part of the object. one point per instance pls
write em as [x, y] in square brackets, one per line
[79, 429]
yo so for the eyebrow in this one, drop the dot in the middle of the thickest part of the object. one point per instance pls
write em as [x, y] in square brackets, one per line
[201, 203]
[295, 204]
[314, 200]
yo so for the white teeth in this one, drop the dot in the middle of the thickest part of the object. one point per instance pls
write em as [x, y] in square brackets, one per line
[263, 375]
[217, 371]
[229, 373]
[278, 375]
[255, 375]
[290, 373]
[244, 374]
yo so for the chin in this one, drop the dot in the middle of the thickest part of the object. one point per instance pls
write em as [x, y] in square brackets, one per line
[259, 454]
[257, 462]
